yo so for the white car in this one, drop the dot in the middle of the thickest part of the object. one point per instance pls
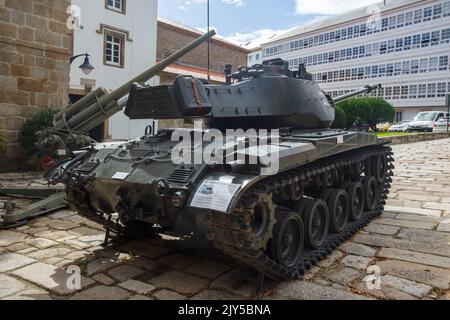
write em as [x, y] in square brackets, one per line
[400, 127]
[441, 126]
[426, 121]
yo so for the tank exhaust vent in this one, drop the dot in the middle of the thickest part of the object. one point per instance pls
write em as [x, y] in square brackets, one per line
[180, 175]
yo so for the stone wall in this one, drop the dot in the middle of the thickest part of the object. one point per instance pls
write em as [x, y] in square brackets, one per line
[35, 48]
[171, 38]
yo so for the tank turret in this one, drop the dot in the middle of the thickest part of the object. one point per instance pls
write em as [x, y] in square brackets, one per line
[263, 96]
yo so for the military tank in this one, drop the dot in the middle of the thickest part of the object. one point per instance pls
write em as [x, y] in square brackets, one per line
[279, 196]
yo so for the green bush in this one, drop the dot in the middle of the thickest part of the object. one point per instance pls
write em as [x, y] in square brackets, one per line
[370, 111]
[340, 121]
[40, 121]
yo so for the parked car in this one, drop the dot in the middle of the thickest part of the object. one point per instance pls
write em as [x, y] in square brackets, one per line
[400, 127]
[441, 125]
[383, 127]
[425, 121]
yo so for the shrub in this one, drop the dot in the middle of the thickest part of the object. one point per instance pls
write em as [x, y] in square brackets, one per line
[370, 111]
[340, 121]
[27, 137]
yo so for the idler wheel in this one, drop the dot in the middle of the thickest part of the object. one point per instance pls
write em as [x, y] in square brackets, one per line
[262, 222]
[315, 216]
[288, 239]
[379, 168]
[371, 191]
[356, 197]
[338, 205]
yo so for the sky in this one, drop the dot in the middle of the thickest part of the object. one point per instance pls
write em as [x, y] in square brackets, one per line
[241, 21]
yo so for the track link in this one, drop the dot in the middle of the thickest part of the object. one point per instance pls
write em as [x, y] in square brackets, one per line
[232, 233]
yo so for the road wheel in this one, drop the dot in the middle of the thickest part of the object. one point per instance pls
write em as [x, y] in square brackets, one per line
[338, 204]
[356, 197]
[371, 192]
[315, 216]
[379, 168]
[288, 238]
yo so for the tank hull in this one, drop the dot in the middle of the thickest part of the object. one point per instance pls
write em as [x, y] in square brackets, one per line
[116, 182]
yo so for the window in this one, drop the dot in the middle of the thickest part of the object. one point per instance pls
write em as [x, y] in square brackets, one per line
[443, 63]
[427, 13]
[114, 49]
[391, 46]
[362, 51]
[374, 71]
[418, 16]
[392, 22]
[407, 43]
[437, 11]
[432, 90]
[409, 18]
[399, 45]
[413, 91]
[116, 5]
[381, 70]
[384, 24]
[442, 87]
[423, 65]
[400, 20]
[414, 66]
[422, 93]
[398, 117]
[389, 69]
[368, 50]
[405, 67]
[416, 41]
[425, 39]
[435, 38]
[446, 9]
[434, 63]
[445, 38]
[383, 47]
[388, 91]
[397, 68]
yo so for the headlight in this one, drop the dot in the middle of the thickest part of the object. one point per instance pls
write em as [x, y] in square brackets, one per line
[178, 199]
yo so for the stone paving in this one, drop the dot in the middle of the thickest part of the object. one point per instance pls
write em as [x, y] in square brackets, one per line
[405, 254]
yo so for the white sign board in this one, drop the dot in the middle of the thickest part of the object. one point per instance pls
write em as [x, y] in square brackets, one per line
[215, 195]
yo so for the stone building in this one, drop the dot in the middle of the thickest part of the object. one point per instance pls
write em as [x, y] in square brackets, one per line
[35, 48]
[173, 36]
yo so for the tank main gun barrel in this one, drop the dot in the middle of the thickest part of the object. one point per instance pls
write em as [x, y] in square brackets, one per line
[95, 108]
[366, 89]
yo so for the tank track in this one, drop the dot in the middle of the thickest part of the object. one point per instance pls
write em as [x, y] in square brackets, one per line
[232, 234]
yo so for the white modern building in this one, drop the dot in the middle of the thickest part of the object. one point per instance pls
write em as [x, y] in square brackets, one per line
[402, 44]
[120, 37]
[255, 56]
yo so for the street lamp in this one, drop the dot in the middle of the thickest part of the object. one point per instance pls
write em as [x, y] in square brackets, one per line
[86, 67]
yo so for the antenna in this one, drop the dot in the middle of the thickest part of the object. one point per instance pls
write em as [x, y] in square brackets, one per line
[209, 43]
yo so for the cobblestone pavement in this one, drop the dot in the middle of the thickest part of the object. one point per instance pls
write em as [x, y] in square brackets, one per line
[409, 245]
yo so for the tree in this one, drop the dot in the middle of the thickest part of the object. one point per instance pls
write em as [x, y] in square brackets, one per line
[340, 121]
[370, 111]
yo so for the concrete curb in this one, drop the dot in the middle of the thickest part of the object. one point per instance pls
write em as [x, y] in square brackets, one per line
[416, 138]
